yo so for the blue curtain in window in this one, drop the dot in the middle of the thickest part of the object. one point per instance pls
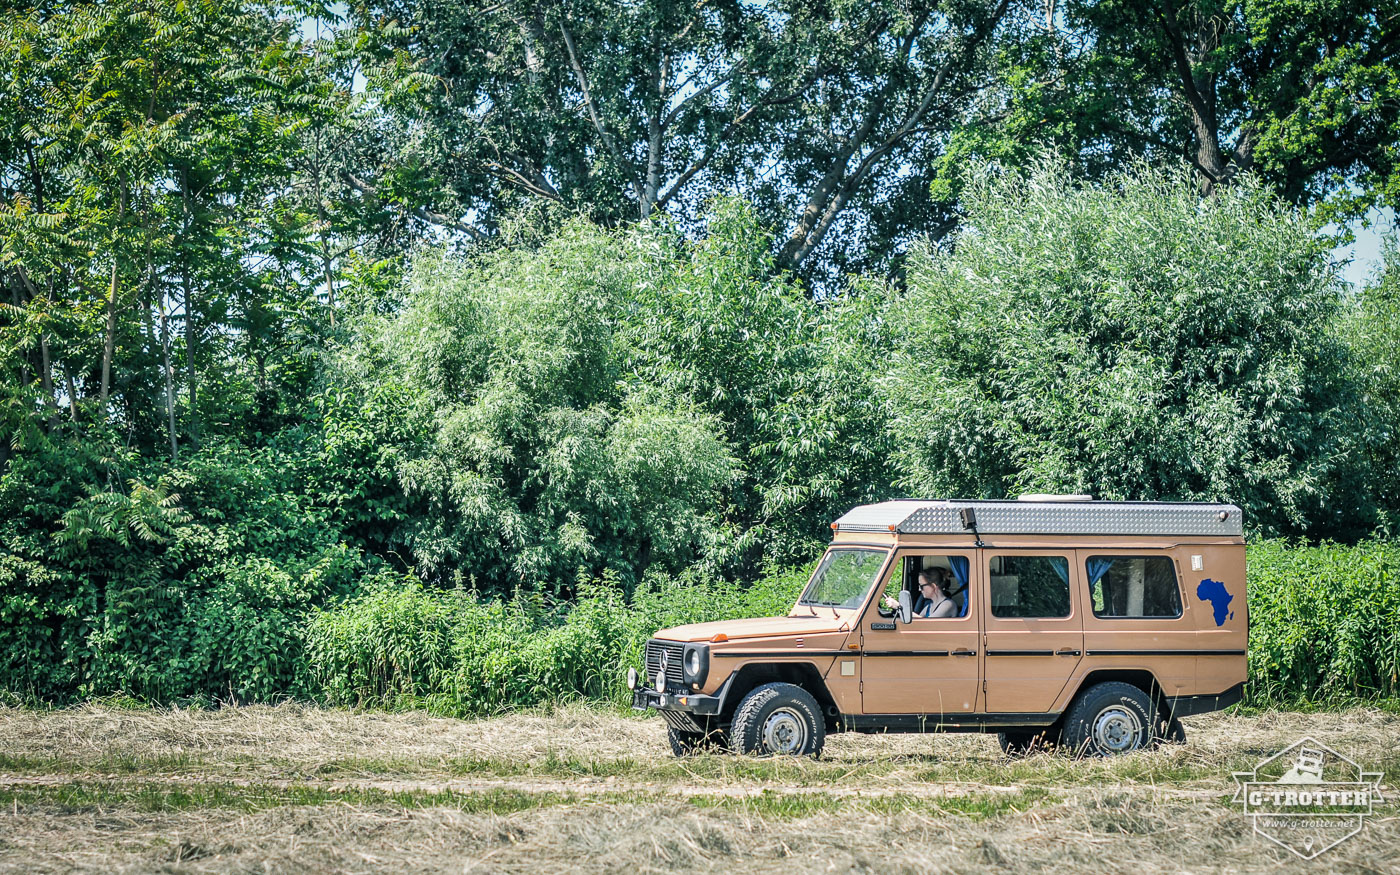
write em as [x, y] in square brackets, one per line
[1061, 567]
[1097, 567]
[959, 566]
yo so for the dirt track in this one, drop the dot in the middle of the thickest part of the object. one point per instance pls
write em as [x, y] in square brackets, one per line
[295, 789]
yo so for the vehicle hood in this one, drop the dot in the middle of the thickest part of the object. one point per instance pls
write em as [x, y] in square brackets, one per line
[765, 627]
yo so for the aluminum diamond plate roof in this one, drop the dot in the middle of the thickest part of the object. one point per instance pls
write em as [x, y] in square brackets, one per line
[1045, 517]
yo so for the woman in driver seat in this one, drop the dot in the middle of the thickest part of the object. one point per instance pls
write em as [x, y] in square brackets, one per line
[933, 600]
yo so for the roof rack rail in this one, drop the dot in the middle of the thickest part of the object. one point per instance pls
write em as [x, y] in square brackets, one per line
[1055, 515]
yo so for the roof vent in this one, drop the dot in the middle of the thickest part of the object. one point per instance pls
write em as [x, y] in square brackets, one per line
[1041, 496]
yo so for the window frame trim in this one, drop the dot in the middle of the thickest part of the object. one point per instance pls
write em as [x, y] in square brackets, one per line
[900, 554]
[1176, 577]
[834, 548]
[1040, 553]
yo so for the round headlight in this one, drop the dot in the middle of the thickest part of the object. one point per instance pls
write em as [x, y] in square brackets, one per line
[692, 662]
[661, 681]
[631, 678]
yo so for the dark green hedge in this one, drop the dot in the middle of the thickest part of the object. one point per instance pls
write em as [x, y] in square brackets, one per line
[1324, 627]
[1324, 621]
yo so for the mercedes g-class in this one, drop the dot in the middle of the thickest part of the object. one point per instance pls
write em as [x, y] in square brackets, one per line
[1091, 625]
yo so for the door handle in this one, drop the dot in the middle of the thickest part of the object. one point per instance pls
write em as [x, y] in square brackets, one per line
[964, 652]
[1065, 651]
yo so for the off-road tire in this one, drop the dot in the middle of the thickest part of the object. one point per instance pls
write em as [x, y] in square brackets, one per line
[1019, 742]
[1110, 718]
[684, 744]
[778, 719]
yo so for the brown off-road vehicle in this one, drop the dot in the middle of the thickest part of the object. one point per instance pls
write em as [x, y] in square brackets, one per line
[1091, 625]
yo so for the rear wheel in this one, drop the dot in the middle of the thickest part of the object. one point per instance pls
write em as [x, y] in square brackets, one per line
[1110, 718]
[778, 719]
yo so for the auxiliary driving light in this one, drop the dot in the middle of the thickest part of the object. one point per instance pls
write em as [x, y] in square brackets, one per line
[661, 681]
[631, 678]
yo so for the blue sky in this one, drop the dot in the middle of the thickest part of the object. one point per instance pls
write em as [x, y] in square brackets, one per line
[1363, 256]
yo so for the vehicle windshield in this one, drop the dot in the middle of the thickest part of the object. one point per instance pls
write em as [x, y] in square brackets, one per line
[843, 578]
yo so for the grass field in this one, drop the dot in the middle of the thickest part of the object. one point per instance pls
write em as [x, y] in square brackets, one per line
[297, 789]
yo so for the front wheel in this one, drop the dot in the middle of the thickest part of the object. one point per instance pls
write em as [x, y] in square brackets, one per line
[779, 719]
[1109, 718]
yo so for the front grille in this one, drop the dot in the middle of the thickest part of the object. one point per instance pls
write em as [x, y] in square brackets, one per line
[675, 652]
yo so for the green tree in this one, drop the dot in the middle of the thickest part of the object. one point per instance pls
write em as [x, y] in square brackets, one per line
[1302, 93]
[821, 114]
[1131, 341]
[1373, 330]
[788, 377]
[143, 145]
[541, 456]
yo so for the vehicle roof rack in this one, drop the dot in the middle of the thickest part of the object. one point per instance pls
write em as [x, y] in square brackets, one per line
[1043, 515]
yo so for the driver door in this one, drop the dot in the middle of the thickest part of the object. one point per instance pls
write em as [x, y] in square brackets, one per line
[929, 666]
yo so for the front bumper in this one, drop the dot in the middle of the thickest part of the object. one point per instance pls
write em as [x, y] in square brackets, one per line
[691, 703]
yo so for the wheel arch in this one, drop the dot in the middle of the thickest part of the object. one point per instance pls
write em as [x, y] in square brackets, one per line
[1141, 678]
[755, 674]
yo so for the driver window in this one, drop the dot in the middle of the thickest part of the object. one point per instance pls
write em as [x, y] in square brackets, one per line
[950, 592]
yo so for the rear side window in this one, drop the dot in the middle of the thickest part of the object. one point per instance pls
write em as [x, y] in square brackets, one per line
[1030, 586]
[1133, 586]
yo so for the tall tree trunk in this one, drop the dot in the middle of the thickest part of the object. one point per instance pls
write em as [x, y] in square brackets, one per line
[46, 380]
[17, 298]
[652, 186]
[191, 376]
[109, 346]
[168, 373]
[28, 294]
[72, 391]
[321, 226]
[45, 363]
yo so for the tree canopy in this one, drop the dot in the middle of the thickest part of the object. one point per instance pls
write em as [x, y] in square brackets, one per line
[1132, 342]
[301, 301]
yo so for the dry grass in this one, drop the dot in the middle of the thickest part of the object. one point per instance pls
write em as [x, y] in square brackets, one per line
[297, 789]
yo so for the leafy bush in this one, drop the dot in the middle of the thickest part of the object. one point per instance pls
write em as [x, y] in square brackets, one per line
[1324, 621]
[1132, 341]
[391, 644]
[1372, 328]
[1324, 625]
[191, 587]
[526, 450]
[453, 653]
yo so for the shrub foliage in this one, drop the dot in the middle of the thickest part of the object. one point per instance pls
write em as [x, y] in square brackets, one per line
[488, 483]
